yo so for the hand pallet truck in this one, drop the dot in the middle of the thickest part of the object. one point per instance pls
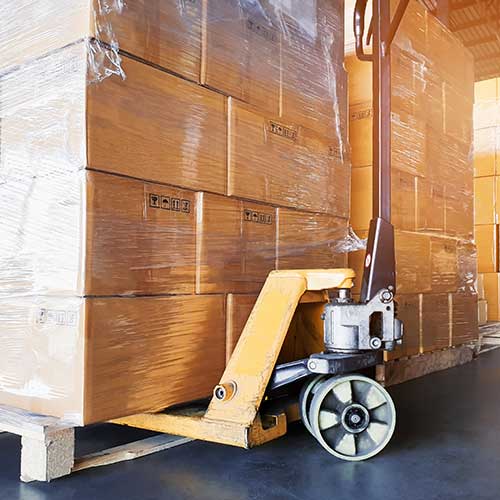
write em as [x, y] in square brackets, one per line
[351, 415]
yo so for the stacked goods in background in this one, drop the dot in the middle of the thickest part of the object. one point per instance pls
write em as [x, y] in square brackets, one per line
[432, 180]
[157, 160]
[487, 191]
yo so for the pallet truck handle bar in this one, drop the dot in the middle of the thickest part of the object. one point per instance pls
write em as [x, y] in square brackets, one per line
[359, 30]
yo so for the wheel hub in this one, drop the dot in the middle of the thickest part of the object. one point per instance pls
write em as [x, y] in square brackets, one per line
[355, 418]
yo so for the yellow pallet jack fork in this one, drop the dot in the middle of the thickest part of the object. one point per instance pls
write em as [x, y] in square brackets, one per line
[350, 415]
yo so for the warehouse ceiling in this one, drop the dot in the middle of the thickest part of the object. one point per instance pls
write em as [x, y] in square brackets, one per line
[477, 24]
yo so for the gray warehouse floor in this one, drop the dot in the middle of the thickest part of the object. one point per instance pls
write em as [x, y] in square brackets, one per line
[446, 446]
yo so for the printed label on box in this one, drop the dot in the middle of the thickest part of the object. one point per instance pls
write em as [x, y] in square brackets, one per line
[57, 317]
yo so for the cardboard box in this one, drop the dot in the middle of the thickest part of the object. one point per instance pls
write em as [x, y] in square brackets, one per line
[486, 238]
[482, 312]
[403, 199]
[361, 135]
[241, 54]
[61, 356]
[91, 233]
[466, 266]
[284, 164]
[361, 197]
[464, 318]
[486, 104]
[485, 200]
[480, 287]
[436, 321]
[143, 246]
[311, 241]
[314, 88]
[413, 263]
[158, 32]
[430, 206]
[236, 245]
[409, 314]
[485, 152]
[492, 294]
[238, 309]
[157, 127]
[152, 125]
[444, 265]
[356, 261]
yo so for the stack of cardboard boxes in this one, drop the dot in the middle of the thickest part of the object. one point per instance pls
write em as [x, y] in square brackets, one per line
[146, 195]
[432, 180]
[486, 193]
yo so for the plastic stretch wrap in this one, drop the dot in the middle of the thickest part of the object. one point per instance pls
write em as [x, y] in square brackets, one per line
[487, 190]
[432, 176]
[157, 158]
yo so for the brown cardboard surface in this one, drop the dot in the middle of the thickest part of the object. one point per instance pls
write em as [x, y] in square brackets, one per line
[140, 237]
[284, 164]
[464, 318]
[64, 354]
[480, 287]
[157, 127]
[486, 238]
[485, 200]
[436, 321]
[430, 206]
[492, 294]
[361, 197]
[154, 345]
[482, 311]
[238, 309]
[444, 265]
[413, 262]
[409, 314]
[236, 244]
[160, 32]
[241, 54]
[485, 152]
[309, 241]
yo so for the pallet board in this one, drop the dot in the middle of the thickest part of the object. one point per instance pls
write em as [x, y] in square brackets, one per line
[404, 369]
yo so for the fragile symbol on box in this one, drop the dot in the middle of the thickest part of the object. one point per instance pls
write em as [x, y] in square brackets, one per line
[257, 217]
[165, 202]
[360, 115]
[168, 203]
[154, 201]
[282, 130]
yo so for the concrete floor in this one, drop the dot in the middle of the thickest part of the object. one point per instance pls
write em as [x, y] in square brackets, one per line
[446, 446]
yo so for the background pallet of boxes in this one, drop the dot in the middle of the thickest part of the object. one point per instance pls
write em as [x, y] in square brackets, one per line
[157, 160]
[486, 194]
[432, 180]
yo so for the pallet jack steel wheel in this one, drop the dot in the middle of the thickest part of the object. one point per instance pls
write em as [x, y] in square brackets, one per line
[306, 395]
[352, 416]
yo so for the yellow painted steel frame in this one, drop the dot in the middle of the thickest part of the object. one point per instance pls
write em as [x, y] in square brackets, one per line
[235, 420]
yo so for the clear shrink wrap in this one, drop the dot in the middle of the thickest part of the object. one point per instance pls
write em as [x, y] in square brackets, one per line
[432, 178]
[157, 159]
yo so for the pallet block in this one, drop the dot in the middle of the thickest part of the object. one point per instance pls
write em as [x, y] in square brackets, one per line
[48, 446]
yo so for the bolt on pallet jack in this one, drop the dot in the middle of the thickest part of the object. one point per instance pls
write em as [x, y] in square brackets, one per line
[351, 415]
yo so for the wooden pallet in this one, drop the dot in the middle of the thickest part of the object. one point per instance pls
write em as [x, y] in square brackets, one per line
[48, 446]
[408, 368]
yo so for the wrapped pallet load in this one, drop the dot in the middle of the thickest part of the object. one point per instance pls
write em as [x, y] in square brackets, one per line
[157, 160]
[432, 180]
